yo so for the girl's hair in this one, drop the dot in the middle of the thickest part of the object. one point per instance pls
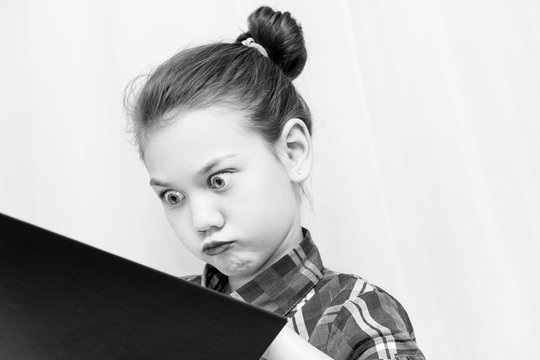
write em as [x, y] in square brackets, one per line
[230, 75]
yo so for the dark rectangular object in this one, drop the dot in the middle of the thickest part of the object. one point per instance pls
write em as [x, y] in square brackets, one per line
[62, 299]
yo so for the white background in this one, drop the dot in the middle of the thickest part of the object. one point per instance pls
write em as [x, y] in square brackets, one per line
[427, 145]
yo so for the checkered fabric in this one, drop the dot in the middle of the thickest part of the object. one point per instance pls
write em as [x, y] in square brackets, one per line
[340, 314]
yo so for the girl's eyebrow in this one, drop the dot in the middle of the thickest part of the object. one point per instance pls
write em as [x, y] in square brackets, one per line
[204, 170]
[158, 183]
[214, 163]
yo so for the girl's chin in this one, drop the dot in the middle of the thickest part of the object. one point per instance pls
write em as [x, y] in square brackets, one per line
[238, 269]
[234, 268]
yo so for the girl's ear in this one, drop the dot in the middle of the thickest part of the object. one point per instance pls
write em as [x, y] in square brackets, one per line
[294, 150]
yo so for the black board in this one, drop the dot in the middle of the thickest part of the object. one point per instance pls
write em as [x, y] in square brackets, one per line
[62, 299]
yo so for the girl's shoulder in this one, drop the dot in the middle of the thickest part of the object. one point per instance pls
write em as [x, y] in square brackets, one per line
[346, 289]
[346, 284]
[360, 316]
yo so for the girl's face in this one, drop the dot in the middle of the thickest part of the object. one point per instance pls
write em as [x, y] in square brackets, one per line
[226, 195]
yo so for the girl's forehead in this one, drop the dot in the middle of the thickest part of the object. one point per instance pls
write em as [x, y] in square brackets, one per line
[194, 138]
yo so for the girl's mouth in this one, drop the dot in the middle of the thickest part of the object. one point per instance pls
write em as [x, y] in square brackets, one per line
[217, 247]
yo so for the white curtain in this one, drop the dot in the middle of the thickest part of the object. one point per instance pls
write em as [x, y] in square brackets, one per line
[427, 144]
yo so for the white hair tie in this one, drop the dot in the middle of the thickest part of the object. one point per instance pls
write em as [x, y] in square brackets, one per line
[249, 42]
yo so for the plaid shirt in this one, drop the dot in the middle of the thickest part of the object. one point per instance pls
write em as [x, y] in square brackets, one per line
[340, 314]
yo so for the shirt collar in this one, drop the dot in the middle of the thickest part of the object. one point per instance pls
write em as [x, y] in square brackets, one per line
[280, 287]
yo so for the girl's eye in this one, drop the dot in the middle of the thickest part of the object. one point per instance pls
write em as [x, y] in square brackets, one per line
[219, 181]
[172, 198]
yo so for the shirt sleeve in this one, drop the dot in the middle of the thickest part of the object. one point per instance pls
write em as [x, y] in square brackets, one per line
[374, 325]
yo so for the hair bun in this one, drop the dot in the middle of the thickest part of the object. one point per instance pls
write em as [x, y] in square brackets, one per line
[281, 36]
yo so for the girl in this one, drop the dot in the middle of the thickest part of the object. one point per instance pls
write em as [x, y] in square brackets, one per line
[226, 140]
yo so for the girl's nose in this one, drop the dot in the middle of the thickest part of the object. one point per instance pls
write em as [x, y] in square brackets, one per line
[205, 215]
